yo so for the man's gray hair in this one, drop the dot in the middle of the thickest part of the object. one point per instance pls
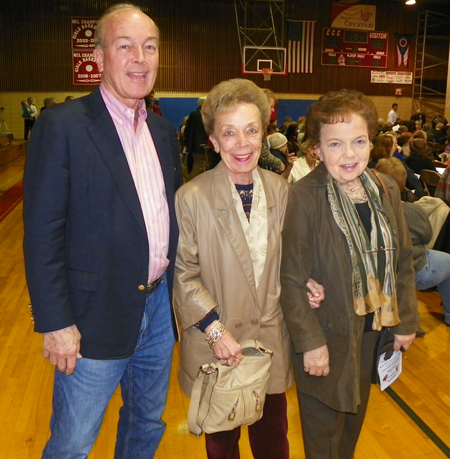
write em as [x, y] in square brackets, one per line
[99, 41]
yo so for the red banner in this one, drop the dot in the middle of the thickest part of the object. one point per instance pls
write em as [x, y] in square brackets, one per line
[85, 69]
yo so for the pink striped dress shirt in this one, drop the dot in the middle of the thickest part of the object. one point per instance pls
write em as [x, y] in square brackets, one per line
[148, 179]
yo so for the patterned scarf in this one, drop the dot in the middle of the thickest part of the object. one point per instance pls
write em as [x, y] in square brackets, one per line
[255, 229]
[374, 258]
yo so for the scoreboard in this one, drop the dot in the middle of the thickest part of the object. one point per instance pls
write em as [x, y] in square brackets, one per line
[354, 48]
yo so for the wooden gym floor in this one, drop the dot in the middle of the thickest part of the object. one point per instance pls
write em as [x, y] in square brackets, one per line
[410, 421]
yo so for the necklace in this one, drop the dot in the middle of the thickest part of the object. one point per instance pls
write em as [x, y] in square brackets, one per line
[351, 190]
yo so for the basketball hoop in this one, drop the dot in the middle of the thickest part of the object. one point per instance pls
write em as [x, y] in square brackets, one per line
[267, 73]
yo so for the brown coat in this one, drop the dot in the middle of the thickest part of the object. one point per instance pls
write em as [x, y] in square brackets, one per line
[314, 246]
[214, 270]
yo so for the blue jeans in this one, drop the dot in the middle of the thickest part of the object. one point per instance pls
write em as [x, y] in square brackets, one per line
[80, 400]
[437, 273]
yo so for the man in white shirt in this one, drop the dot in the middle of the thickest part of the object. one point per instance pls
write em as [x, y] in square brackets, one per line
[392, 115]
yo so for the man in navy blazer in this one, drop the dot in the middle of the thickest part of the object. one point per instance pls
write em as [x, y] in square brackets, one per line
[100, 242]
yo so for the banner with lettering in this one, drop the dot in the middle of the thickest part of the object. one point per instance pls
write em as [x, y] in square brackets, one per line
[359, 17]
[85, 69]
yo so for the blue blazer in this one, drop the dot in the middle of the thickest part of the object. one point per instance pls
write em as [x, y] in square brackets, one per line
[86, 245]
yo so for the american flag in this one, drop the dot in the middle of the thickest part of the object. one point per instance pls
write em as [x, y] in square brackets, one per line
[300, 54]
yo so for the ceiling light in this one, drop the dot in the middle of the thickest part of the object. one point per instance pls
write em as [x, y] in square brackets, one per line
[410, 2]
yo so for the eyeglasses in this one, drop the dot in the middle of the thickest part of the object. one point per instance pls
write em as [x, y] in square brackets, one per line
[383, 249]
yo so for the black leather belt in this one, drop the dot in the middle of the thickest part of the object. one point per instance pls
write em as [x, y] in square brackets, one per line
[153, 286]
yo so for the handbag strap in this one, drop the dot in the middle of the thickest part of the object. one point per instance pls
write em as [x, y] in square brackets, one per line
[386, 191]
[195, 403]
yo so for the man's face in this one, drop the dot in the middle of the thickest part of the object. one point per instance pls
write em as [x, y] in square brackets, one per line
[130, 57]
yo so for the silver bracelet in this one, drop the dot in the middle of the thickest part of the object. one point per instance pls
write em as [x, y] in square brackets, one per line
[217, 331]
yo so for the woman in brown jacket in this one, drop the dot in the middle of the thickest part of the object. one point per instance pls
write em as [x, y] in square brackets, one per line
[227, 270]
[342, 230]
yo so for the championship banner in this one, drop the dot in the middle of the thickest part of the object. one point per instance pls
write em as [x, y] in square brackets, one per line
[85, 69]
[402, 43]
[360, 17]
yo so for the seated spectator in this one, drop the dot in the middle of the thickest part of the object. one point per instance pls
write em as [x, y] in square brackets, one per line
[279, 148]
[421, 157]
[439, 136]
[291, 135]
[404, 142]
[301, 130]
[443, 187]
[432, 267]
[271, 128]
[417, 125]
[428, 131]
[307, 161]
[287, 122]
[383, 147]
[419, 134]
[396, 150]
[69, 98]
[401, 129]
[418, 116]
[151, 104]
[438, 119]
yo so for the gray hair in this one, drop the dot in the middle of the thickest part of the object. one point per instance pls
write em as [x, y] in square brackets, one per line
[99, 40]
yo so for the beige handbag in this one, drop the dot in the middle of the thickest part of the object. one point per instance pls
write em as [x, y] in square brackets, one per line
[225, 397]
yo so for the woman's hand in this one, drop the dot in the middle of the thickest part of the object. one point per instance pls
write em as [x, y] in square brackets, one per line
[317, 361]
[227, 349]
[402, 342]
[316, 294]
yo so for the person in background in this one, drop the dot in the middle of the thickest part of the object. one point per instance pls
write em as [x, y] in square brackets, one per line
[100, 243]
[287, 121]
[69, 98]
[195, 141]
[343, 231]
[30, 120]
[307, 162]
[392, 115]
[384, 147]
[421, 157]
[443, 187]
[279, 147]
[271, 129]
[266, 159]
[404, 141]
[227, 285]
[151, 104]
[419, 116]
[432, 266]
[48, 102]
[26, 112]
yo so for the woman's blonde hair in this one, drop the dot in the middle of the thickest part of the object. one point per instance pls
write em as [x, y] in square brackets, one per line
[227, 95]
[395, 169]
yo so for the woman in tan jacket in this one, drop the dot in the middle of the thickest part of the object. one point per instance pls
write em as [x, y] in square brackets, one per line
[227, 271]
[343, 231]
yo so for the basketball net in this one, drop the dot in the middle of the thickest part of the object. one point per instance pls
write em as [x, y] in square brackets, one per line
[266, 74]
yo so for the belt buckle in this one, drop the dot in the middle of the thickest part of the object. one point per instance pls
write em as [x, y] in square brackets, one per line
[153, 286]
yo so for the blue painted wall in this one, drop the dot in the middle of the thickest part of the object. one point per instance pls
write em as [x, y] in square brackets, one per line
[175, 109]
